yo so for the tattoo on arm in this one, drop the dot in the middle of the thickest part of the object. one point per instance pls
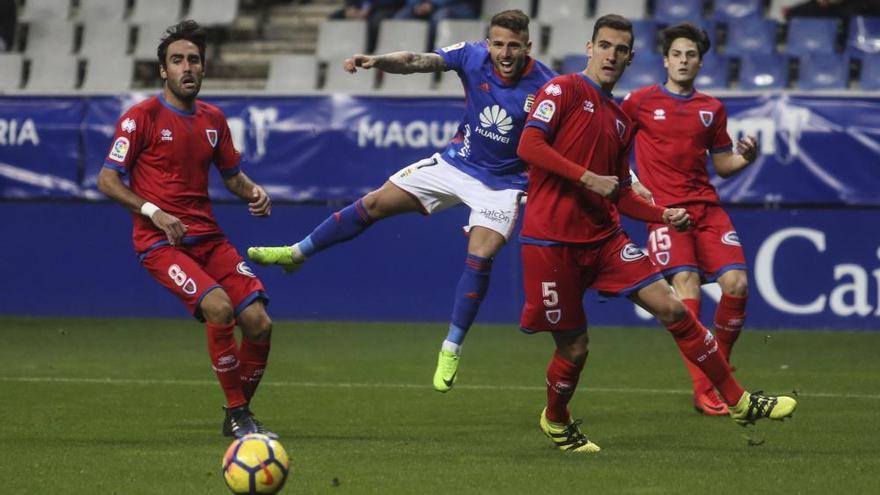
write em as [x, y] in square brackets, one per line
[409, 62]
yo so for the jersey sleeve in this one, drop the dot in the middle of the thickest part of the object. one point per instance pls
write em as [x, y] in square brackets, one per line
[549, 107]
[455, 56]
[720, 139]
[226, 158]
[129, 138]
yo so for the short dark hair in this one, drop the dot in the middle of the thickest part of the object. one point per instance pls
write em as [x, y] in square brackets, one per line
[614, 21]
[184, 30]
[514, 20]
[688, 31]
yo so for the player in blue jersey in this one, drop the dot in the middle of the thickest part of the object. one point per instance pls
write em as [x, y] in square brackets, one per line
[479, 167]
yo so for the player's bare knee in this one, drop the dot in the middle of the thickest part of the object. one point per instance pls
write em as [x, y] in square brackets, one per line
[217, 308]
[737, 286]
[259, 330]
[670, 311]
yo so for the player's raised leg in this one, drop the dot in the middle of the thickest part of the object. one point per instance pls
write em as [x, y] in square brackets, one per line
[731, 313]
[469, 293]
[700, 347]
[341, 226]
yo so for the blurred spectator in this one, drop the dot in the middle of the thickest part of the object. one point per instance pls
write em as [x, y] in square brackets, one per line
[8, 18]
[843, 9]
[437, 10]
[374, 11]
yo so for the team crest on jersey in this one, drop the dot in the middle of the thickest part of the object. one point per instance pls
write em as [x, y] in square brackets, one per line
[245, 270]
[706, 117]
[119, 149]
[659, 114]
[589, 106]
[621, 128]
[553, 315]
[212, 137]
[450, 48]
[662, 258]
[731, 238]
[553, 90]
[545, 111]
[530, 100]
[631, 252]
[128, 125]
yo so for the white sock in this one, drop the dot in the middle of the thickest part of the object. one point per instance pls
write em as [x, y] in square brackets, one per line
[450, 347]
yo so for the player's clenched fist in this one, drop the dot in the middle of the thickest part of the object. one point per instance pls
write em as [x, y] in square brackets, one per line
[603, 185]
[363, 61]
[261, 206]
[677, 218]
[172, 226]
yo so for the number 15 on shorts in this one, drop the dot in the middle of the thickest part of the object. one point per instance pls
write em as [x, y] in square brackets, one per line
[551, 300]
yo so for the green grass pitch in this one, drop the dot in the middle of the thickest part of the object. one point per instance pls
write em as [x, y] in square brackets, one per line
[125, 406]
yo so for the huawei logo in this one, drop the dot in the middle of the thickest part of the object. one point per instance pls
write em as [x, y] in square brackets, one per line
[497, 116]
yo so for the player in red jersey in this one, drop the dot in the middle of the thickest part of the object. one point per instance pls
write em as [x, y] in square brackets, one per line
[576, 143]
[166, 145]
[675, 126]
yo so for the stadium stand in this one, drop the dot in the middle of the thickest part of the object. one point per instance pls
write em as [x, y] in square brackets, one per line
[778, 7]
[339, 80]
[292, 73]
[715, 73]
[645, 32]
[631, 9]
[148, 36]
[573, 63]
[731, 11]
[568, 37]
[673, 11]
[646, 69]
[754, 36]
[402, 34]
[406, 84]
[53, 74]
[490, 7]
[808, 35]
[11, 71]
[108, 74]
[103, 11]
[49, 37]
[44, 10]
[450, 84]
[864, 36]
[104, 39]
[156, 11]
[213, 12]
[819, 72]
[870, 76]
[549, 13]
[338, 39]
[763, 71]
[451, 31]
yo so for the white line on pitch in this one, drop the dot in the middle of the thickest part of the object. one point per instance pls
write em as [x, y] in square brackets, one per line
[140, 381]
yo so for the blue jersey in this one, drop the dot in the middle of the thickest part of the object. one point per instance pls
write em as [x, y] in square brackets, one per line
[495, 112]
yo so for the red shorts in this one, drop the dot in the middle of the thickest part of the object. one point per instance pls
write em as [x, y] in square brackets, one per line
[556, 278]
[710, 248]
[192, 271]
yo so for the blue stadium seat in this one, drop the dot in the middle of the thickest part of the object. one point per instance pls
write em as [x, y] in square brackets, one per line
[715, 72]
[763, 71]
[645, 33]
[674, 11]
[821, 72]
[646, 69]
[573, 63]
[754, 36]
[870, 78]
[864, 36]
[735, 10]
[808, 35]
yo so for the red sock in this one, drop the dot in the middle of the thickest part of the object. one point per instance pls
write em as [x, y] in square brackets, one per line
[700, 347]
[729, 319]
[254, 355]
[562, 380]
[700, 381]
[224, 360]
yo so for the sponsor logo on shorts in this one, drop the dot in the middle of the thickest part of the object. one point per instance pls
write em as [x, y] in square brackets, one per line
[119, 149]
[631, 252]
[731, 238]
[553, 315]
[128, 125]
[245, 270]
[495, 215]
[662, 258]
[553, 90]
[545, 111]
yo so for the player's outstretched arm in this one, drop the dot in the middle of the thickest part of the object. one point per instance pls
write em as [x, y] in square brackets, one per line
[110, 183]
[259, 202]
[729, 163]
[396, 62]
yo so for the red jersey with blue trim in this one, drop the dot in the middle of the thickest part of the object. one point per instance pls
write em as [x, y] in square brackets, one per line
[166, 153]
[673, 134]
[585, 125]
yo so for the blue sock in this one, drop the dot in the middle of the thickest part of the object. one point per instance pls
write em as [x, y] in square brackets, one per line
[341, 226]
[469, 294]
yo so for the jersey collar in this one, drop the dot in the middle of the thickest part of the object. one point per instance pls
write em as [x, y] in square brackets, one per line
[510, 82]
[174, 109]
[675, 95]
[596, 85]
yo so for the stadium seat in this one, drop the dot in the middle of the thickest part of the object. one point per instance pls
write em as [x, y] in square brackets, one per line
[715, 72]
[646, 37]
[49, 37]
[148, 36]
[646, 69]
[101, 39]
[731, 11]
[631, 9]
[451, 31]
[492, 7]
[821, 72]
[573, 63]
[402, 34]
[450, 84]
[754, 36]
[108, 74]
[53, 74]
[338, 39]
[406, 83]
[870, 77]
[553, 11]
[213, 12]
[11, 69]
[763, 71]
[778, 7]
[807, 35]
[675, 11]
[340, 81]
[100, 10]
[864, 36]
[155, 11]
[44, 11]
[568, 37]
[292, 73]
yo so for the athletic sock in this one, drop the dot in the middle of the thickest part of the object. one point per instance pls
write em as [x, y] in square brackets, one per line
[700, 381]
[254, 355]
[341, 226]
[469, 293]
[224, 360]
[729, 319]
[562, 380]
[700, 347]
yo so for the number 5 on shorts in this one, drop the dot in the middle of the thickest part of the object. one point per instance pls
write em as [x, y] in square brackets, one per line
[551, 299]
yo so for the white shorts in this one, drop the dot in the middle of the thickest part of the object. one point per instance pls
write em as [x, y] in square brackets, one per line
[438, 186]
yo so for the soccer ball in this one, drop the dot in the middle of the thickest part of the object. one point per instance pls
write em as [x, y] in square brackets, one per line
[255, 463]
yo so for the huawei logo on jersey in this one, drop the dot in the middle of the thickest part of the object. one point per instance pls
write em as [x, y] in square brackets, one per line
[496, 117]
